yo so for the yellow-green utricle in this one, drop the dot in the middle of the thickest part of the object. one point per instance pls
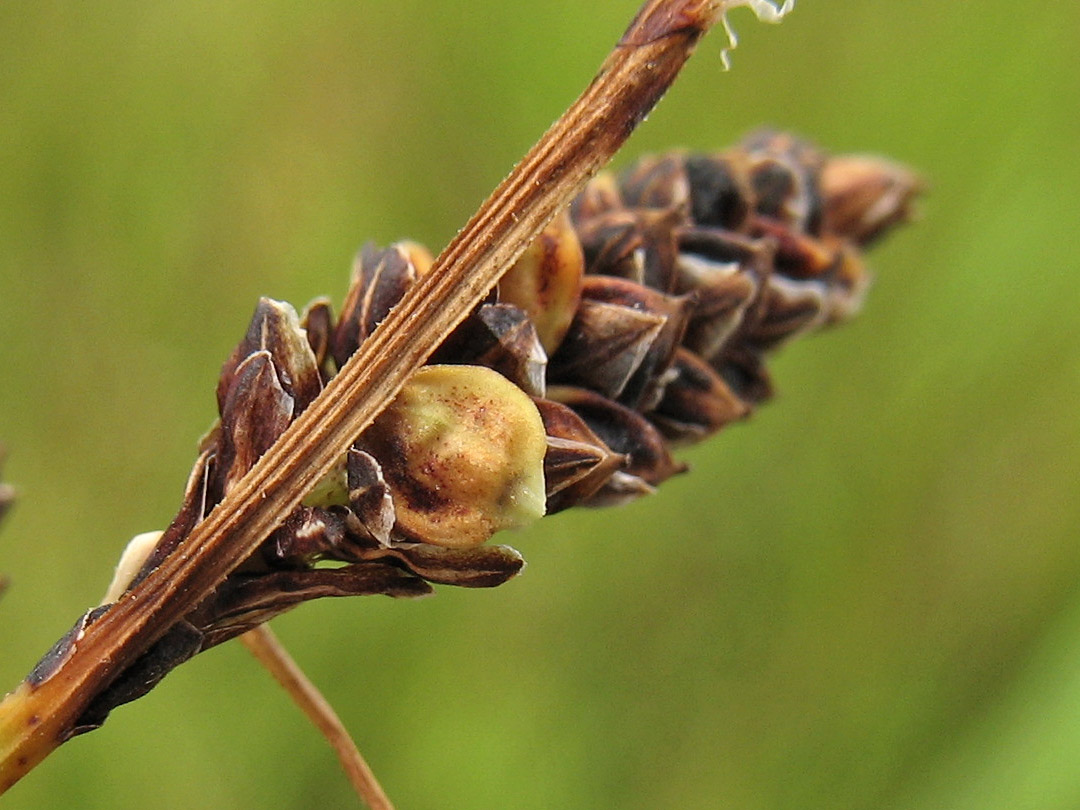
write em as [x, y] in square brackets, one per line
[462, 450]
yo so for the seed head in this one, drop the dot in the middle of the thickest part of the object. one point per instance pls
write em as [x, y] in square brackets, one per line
[639, 321]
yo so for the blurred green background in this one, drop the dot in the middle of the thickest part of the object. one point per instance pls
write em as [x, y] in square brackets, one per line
[867, 597]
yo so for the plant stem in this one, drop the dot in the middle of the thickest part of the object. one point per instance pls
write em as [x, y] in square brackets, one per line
[271, 653]
[36, 718]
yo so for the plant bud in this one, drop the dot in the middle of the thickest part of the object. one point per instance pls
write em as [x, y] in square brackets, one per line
[545, 281]
[462, 451]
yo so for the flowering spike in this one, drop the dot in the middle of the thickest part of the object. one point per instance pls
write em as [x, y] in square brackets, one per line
[659, 298]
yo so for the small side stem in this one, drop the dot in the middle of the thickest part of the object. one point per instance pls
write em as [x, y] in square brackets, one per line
[271, 653]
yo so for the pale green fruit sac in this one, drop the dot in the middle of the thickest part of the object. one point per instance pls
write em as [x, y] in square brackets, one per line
[462, 449]
[332, 489]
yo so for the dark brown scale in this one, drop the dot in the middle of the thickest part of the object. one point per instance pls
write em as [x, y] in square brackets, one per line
[625, 431]
[639, 245]
[318, 325]
[655, 182]
[697, 402]
[719, 192]
[745, 374]
[380, 279]
[621, 341]
[499, 336]
[370, 501]
[309, 534]
[275, 329]
[785, 173]
[578, 462]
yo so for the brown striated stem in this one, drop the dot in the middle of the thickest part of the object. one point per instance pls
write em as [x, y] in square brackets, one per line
[265, 646]
[36, 719]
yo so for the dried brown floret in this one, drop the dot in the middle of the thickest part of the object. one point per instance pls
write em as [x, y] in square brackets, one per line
[475, 567]
[255, 412]
[622, 340]
[275, 329]
[578, 462]
[501, 337]
[625, 431]
[697, 402]
[380, 278]
[866, 196]
[638, 244]
[317, 321]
